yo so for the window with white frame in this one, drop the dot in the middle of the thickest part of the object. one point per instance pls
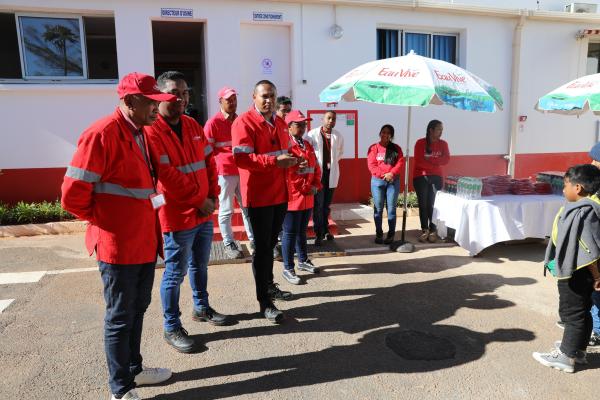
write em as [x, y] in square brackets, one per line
[394, 42]
[57, 47]
[593, 58]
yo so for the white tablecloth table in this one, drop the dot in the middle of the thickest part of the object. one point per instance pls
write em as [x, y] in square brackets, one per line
[494, 219]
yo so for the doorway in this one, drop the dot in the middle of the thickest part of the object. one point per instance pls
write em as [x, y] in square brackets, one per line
[179, 46]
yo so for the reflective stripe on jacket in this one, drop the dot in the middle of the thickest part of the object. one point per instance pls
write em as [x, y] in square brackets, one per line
[302, 181]
[256, 145]
[186, 171]
[108, 183]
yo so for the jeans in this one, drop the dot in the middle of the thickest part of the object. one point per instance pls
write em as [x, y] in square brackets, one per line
[426, 188]
[266, 225]
[185, 251]
[596, 312]
[230, 189]
[385, 192]
[321, 208]
[574, 304]
[294, 237]
[127, 293]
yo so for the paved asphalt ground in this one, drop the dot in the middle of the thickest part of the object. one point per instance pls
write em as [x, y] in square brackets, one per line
[461, 328]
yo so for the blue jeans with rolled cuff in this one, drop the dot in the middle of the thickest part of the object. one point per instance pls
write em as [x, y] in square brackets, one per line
[185, 252]
[385, 193]
[294, 237]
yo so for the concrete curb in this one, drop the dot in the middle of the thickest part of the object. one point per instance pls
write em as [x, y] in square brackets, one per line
[50, 228]
[339, 212]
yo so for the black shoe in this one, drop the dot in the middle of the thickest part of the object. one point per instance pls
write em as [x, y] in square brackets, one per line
[272, 314]
[180, 340]
[329, 236]
[319, 241]
[379, 238]
[277, 253]
[209, 315]
[389, 239]
[277, 294]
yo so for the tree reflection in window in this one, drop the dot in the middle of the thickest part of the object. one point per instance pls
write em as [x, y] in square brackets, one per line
[51, 47]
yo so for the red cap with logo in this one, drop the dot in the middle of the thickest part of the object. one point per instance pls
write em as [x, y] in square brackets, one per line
[136, 83]
[226, 92]
[296, 116]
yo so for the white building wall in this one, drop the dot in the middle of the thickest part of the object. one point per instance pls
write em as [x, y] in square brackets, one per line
[43, 121]
[551, 57]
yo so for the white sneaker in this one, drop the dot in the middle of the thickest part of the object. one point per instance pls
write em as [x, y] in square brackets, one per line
[131, 395]
[152, 376]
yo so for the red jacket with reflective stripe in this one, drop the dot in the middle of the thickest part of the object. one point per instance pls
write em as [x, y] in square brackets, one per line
[256, 145]
[218, 132]
[186, 171]
[302, 181]
[108, 183]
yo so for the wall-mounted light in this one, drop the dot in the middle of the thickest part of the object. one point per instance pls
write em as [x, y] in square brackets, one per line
[336, 31]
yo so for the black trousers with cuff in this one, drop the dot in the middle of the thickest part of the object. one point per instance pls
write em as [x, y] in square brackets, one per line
[574, 305]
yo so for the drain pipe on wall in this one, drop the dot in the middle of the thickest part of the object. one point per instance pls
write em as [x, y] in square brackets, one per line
[514, 93]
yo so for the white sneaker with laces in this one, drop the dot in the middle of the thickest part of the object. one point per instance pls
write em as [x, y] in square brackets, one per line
[556, 359]
[152, 376]
[131, 395]
[291, 277]
[580, 358]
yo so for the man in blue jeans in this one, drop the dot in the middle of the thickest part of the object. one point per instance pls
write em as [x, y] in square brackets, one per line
[187, 175]
[110, 183]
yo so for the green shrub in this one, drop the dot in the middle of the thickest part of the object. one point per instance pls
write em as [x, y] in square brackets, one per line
[5, 214]
[411, 200]
[32, 213]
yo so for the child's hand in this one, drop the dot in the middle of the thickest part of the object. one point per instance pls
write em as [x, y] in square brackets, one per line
[597, 285]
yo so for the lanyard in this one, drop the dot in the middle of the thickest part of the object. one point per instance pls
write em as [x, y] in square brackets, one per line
[140, 139]
[326, 142]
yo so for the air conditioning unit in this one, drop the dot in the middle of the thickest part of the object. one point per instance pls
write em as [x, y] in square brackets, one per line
[581, 8]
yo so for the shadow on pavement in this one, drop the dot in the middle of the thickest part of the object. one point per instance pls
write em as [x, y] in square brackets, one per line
[373, 312]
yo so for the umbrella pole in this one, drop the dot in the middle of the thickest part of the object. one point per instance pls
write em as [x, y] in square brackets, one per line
[403, 246]
[406, 169]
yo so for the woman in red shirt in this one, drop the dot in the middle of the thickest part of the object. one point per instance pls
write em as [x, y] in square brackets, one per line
[385, 161]
[431, 152]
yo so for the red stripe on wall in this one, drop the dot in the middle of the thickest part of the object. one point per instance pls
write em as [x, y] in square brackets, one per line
[37, 184]
[527, 165]
[31, 184]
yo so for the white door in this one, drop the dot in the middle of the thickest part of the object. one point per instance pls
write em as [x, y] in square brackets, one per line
[265, 54]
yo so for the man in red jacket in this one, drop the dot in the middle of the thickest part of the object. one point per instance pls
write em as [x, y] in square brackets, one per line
[218, 133]
[110, 183]
[260, 148]
[187, 175]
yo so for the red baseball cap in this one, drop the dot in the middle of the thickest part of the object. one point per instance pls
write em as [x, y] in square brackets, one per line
[226, 92]
[136, 83]
[296, 116]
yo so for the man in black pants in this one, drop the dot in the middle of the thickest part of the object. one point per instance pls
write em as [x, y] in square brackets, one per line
[260, 149]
